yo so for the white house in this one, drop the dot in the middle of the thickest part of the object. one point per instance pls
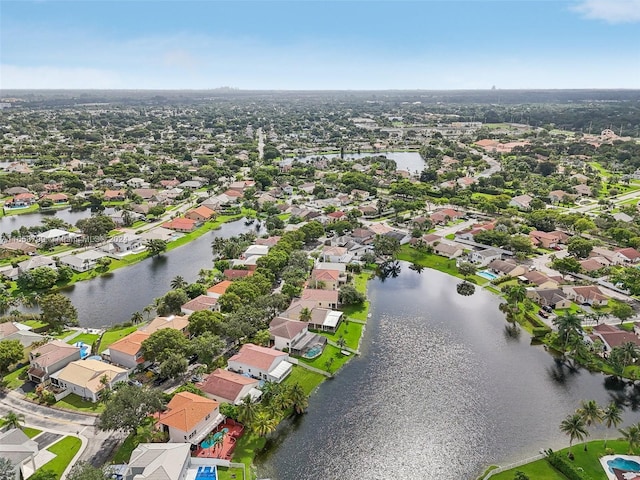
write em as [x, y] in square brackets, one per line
[189, 418]
[50, 358]
[228, 387]
[260, 362]
[122, 245]
[127, 352]
[83, 261]
[21, 451]
[159, 461]
[56, 236]
[292, 335]
[87, 378]
[35, 262]
[484, 257]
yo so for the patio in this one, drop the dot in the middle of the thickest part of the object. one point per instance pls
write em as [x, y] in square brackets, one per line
[224, 451]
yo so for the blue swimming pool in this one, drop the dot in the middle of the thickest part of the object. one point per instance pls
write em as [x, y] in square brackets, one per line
[207, 473]
[623, 464]
[85, 350]
[314, 351]
[487, 274]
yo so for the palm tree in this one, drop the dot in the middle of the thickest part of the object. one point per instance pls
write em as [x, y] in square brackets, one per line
[516, 294]
[14, 420]
[178, 282]
[341, 342]
[299, 399]
[591, 413]
[147, 311]
[247, 411]
[611, 416]
[574, 426]
[305, 314]
[136, 318]
[631, 435]
[630, 352]
[264, 424]
[568, 325]
[218, 440]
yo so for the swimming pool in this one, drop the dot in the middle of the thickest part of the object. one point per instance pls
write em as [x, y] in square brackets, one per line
[487, 274]
[85, 350]
[623, 464]
[207, 473]
[314, 351]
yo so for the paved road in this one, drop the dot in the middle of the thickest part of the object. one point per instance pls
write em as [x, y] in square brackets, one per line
[46, 438]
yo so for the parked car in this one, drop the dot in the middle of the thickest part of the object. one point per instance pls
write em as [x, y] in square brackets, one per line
[543, 314]
[547, 309]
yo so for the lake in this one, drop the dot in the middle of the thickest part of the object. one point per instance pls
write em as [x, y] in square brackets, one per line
[440, 391]
[410, 161]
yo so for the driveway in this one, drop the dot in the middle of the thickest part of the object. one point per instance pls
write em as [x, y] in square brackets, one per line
[45, 439]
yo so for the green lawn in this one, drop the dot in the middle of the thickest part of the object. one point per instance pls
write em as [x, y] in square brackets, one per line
[34, 324]
[111, 336]
[123, 454]
[588, 461]
[330, 352]
[230, 473]
[246, 449]
[16, 378]
[436, 262]
[74, 402]
[31, 432]
[63, 334]
[539, 469]
[64, 450]
[307, 379]
[357, 312]
[350, 331]
[88, 338]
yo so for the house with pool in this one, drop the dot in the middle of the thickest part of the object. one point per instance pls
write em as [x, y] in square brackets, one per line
[224, 386]
[168, 461]
[49, 358]
[189, 418]
[294, 336]
[263, 363]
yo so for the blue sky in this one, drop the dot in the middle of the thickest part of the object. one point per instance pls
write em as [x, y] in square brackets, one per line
[428, 44]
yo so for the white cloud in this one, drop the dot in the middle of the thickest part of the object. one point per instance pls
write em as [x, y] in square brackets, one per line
[611, 11]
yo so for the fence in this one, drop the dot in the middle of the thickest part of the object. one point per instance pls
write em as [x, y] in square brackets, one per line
[495, 471]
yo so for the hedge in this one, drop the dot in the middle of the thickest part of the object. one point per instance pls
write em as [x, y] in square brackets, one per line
[558, 462]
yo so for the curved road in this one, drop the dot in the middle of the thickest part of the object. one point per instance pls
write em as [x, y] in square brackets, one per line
[99, 445]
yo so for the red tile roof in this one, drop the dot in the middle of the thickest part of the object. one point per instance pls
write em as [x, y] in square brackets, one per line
[225, 384]
[256, 356]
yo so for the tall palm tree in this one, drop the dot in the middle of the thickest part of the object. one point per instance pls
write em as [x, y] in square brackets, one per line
[178, 282]
[611, 416]
[591, 413]
[147, 311]
[14, 420]
[263, 424]
[574, 426]
[247, 411]
[568, 325]
[630, 352]
[516, 294]
[631, 435]
[136, 318]
[299, 399]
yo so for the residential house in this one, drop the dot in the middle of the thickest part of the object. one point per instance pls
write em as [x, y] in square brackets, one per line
[159, 461]
[551, 297]
[158, 233]
[557, 196]
[628, 255]
[255, 250]
[523, 202]
[613, 257]
[115, 195]
[127, 352]
[590, 295]
[506, 267]
[224, 386]
[35, 262]
[170, 183]
[124, 244]
[50, 358]
[217, 290]
[125, 217]
[20, 451]
[26, 337]
[322, 298]
[544, 239]
[368, 211]
[538, 279]
[327, 279]
[335, 255]
[21, 200]
[469, 233]
[56, 236]
[87, 378]
[12, 248]
[336, 216]
[448, 249]
[198, 304]
[622, 217]
[176, 322]
[292, 335]
[242, 185]
[56, 198]
[322, 319]
[235, 273]
[260, 362]
[191, 184]
[181, 224]
[83, 261]
[591, 264]
[484, 257]
[189, 418]
[200, 214]
[445, 215]
[583, 190]
[135, 182]
[269, 242]
[146, 193]
[613, 336]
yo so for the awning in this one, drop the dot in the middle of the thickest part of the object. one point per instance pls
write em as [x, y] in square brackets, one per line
[281, 370]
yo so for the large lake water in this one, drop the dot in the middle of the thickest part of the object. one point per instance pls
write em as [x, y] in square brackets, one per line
[440, 392]
[410, 161]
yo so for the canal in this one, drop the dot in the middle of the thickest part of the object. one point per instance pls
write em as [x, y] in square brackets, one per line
[440, 391]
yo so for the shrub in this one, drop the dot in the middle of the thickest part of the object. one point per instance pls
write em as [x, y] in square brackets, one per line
[558, 462]
[539, 332]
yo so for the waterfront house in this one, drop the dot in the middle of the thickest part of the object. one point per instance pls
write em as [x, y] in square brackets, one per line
[57, 236]
[293, 335]
[262, 363]
[124, 244]
[49, 358]
[506, 267]
[613, 336]
[159, 461]
[127, 352]
[35, 262]
[217, 290]
[484, 257]
[236, 273]
[114, 195]
[56, 198]
[189, 418]
[224, 386]
[321, 298]
[539, 279]
[324, 319]
[83, 261]
[21, 200]
[550, 297]
[198, 304]
[448, 249]
[176, 322]
[87, 378]
[200, 214]
[181, 224]
[327, 279]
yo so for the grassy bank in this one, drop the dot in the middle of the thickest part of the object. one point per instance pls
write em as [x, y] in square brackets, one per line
[436, 262]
